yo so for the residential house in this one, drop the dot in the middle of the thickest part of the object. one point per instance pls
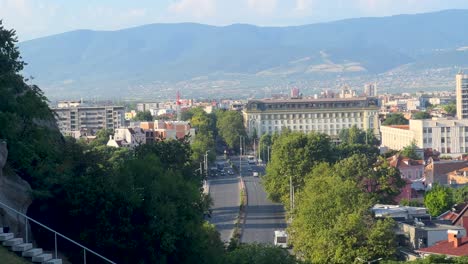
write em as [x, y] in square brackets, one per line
[400, 213]
[458, 177]
[456, 245]
[458, 215]
[438, 171]
[412, 171]
[127, 137]
[422, 233]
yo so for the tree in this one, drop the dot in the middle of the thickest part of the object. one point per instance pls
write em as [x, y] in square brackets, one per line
[395, 119]
[293, 155]
[332, 223]
[460, 195]
[259, 254]
[352, 135]
[450, 109]
[438, 200]
[421, 115]
[143, 116]
[410, 151]
[230, 126]
[373, 176]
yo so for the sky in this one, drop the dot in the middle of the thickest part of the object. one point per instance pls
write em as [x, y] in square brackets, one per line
[36, 18]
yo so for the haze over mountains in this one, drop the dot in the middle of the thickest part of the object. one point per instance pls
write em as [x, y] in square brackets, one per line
[200, 58]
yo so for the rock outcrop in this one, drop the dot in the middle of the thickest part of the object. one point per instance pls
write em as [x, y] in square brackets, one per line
[14, 192]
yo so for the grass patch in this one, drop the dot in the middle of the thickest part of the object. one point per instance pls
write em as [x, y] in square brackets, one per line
[7, 257]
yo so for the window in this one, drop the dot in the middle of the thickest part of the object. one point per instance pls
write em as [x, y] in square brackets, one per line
[442, 140]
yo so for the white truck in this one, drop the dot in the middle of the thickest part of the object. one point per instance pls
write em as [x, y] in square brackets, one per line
[281, 239]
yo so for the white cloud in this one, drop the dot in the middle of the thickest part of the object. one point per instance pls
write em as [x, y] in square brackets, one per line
[262, 7]
[194, 8]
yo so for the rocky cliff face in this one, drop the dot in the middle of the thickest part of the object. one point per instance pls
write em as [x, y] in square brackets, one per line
[15, 193]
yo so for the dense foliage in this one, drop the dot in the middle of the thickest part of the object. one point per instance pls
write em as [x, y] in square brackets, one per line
[335, 185]
[421, 115]
[410, 151]
[260, 254]
[332, 223]
[395, 119]
[143, 116]
[438, 200]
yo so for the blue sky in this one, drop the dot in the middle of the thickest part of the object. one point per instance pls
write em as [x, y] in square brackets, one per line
[36, 18]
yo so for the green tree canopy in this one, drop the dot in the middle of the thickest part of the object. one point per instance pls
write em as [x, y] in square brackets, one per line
[143, 116]
[451, 109]
[260, 254]
[438, 200]
[410, 151]
[395, 119]
[230, 126]
[293, 155]
[421, 115]
[332, 223]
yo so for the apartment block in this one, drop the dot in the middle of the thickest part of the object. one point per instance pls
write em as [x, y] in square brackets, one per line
[447, 136]
[79, 120]
[325, 115]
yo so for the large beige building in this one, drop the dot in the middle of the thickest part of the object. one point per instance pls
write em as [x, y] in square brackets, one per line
[78, 120]
[448, 136]
[462, 95]
[327, 115]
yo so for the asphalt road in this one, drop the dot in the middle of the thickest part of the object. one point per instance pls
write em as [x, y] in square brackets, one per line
[263, 217]
[224, 191]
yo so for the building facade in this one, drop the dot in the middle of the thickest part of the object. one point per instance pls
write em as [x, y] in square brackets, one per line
[447, 136]
[370, 89]
[80, 120]
[462, 95]
[327, 115]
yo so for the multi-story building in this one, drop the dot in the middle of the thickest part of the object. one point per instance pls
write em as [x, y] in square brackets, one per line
[79, 120]
[326, 115]
[462, 95]
[447, 136]
[370, 90]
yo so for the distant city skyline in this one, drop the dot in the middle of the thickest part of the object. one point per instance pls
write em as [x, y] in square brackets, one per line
[36, 18]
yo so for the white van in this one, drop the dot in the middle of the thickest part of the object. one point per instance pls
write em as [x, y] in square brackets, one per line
[281, 239]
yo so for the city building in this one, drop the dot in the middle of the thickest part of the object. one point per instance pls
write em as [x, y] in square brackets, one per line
[419, 234]
[127, 137]
[168, 129]
[455, 245]
[399, 212]
[438, 171]
[325, 115]
[462, 95]
[458, 215]
[447, 136]
[78, 120]
[370, 90]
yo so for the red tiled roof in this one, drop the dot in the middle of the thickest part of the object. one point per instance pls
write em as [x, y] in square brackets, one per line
[405, 127]
[447, 248]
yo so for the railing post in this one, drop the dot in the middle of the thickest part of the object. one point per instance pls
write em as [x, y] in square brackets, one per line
[26, 227]
[55, 234]
[84, 256]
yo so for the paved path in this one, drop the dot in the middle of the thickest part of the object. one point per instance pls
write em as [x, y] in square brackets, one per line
[263, 216]
[225, 193]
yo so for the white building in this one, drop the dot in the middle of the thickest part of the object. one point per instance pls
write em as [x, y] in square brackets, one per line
[127, 137]
[448, 136]
[462, 95]
[78, 120]
[327, 115]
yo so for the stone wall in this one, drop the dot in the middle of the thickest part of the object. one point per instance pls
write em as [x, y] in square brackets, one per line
[16, 193]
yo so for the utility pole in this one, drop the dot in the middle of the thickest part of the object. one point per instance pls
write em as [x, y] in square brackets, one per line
[206, 163]
[268, 154]
[240, 157]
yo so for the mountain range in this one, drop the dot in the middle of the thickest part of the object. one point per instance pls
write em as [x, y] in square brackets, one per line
[196, 58]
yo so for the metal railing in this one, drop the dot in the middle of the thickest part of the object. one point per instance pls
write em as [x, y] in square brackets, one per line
[85, 249]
